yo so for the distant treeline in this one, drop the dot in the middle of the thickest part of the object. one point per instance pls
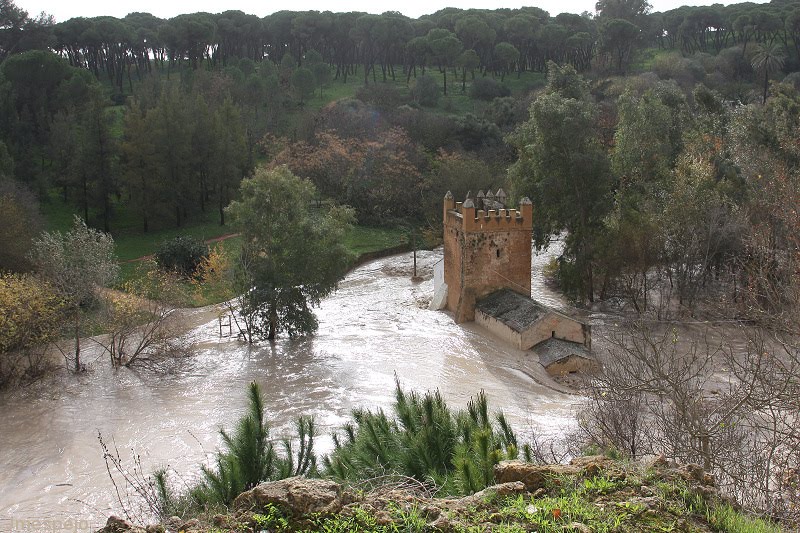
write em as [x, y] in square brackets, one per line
[498, 41]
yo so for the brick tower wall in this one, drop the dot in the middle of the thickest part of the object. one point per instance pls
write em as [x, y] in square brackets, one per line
[485, 252]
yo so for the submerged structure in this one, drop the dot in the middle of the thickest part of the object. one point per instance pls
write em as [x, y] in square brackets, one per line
[486, 277]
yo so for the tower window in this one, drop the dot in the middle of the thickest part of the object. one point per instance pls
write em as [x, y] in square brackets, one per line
[498, 253]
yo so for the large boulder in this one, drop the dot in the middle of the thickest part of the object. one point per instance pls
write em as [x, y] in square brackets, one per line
[298, 495]
[536, 476]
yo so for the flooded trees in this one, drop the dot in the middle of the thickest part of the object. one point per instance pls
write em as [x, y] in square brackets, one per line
[723, 399]
[292, 252]
[564, 169]
[75, 264]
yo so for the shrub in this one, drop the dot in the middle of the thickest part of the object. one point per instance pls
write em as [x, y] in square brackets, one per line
[30, 317]
[426, 91]
[474, 133]
[381, 95]
[488, 89]
[181, 255]
[426, 440]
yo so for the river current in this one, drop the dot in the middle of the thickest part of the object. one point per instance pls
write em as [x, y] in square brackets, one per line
[374, 329]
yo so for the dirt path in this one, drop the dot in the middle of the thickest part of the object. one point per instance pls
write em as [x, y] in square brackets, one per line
[207, 241]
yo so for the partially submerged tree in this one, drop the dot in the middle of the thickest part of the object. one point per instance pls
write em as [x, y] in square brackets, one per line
[76, 264]
[293, 253]
[140, 318]
[565, 170]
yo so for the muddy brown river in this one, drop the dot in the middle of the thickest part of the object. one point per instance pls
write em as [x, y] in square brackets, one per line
[375, 327]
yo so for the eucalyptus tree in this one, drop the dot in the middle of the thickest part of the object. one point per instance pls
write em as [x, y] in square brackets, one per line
[563, 168]
[96, 159]
[231, 161]
[170, 127]
[137, 162]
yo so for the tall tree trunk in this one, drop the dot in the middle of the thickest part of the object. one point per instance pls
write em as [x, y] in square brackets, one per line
[273, 323]
[77, 341]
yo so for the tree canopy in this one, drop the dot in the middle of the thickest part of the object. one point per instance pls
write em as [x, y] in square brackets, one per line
[293, 253]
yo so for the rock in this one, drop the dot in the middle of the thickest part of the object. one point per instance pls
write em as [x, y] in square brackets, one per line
[659, 461]
[190, 525]
[155, 528]
[383, 518]
[512, 488]
[593, 464]
[430, 512]
[485, 497]
[298, 495]
[693, 472]
[173, 522]
[532, 476]
[441, 524]
[115, 524]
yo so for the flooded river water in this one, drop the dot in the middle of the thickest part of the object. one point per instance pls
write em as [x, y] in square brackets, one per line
[375, 327]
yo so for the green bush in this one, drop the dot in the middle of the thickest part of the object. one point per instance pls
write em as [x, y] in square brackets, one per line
[182, 255]
[426, 91]
[426, 440]
[488, 89]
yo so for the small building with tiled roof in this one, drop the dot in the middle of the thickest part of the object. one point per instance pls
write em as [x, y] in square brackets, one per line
[525, 323]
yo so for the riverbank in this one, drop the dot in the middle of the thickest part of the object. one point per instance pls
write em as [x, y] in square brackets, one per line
[591, 494]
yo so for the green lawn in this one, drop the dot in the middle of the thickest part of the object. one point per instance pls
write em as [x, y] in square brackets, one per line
[363, 239]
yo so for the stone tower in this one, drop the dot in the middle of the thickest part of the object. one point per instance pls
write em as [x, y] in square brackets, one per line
[485, 250]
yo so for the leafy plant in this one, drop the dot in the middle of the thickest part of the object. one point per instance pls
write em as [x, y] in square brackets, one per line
[182, 255]
[271, 517]
[427, 441]
[488, 89]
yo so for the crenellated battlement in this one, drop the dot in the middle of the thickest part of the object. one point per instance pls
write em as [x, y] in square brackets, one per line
[487, 247]
[472, 219]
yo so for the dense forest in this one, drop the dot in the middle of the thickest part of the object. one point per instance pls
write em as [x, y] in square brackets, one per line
[673, 135]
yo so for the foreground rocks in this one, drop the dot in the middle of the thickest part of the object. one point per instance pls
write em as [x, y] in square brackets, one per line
[586, 495]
